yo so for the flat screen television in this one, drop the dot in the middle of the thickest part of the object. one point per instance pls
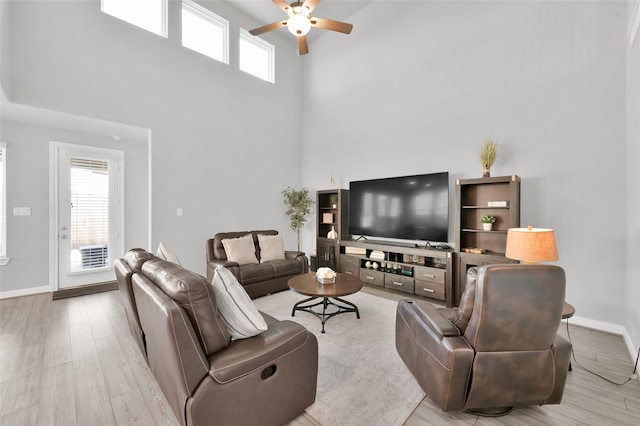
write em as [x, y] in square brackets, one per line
[404, 208]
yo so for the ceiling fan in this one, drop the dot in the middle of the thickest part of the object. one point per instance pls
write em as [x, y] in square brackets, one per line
[300, 22]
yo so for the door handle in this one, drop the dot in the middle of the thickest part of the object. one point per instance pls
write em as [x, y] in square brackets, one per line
[63, 237]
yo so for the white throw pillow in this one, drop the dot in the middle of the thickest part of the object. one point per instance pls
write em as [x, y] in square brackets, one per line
[166, 254]
[271, 247]
[240, 250]
[241, 316]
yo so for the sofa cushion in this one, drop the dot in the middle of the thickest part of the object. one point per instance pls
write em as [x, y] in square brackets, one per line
[282, 268]
[240, 250]
[236, 308]
[250, 274]
[195, 295]
[136, 257]
[271, 247]
[462, 315]
[166, 254]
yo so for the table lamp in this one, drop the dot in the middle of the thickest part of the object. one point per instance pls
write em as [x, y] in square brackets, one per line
[531, 245]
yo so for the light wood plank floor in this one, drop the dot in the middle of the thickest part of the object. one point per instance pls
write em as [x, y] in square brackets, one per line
[73, 362]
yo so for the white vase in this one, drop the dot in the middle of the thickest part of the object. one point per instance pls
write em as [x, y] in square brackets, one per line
[487, 226]
[332, 234]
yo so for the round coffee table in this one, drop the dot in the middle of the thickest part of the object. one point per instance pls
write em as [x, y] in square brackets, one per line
[308, 285]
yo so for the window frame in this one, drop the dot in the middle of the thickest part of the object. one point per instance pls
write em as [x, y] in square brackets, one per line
[3, 204]
[163, 24]
[257, 41]
[213, 18]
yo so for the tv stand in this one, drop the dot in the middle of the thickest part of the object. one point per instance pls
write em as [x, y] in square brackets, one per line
[422, 271]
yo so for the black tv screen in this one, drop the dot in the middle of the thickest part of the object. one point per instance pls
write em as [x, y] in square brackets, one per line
[406, 208]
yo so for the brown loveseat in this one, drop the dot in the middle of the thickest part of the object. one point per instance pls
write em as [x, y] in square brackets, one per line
[268, 379]
[501, 348]
[257, 279]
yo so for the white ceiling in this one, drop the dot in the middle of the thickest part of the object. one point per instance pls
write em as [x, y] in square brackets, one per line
[266, 12]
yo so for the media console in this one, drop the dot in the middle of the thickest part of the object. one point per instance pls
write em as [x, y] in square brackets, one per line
[422, 271]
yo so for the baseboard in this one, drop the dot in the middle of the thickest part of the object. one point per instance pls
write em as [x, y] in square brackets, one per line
[24, 292]
[85, 289]
[608, 327]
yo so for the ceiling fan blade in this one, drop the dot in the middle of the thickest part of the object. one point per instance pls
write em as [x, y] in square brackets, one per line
[282, 5]
[330, 24]
[267, 28]
[310, 5]
[303, 46]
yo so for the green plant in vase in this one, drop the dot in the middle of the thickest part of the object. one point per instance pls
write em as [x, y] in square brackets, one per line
[299, 206]
[488, 154]
[487, 221]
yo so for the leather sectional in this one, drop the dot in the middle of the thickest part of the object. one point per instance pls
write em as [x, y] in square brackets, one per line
[207, 378]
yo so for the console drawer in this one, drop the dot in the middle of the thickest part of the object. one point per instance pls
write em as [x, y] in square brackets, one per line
[430, 289]
[349, 265]
[398, 282]
[425, 273]
[372, 277]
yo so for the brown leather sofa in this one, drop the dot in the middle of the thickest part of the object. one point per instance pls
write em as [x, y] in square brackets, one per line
[261, 278]
[208, 379]
[508, 355]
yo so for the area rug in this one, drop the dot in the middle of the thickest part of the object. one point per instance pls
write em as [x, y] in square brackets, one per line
[361, 378]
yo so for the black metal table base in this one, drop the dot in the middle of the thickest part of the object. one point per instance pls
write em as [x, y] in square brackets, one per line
[325, 302]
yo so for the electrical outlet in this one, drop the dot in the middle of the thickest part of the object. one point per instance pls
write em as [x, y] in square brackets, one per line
[22, 211]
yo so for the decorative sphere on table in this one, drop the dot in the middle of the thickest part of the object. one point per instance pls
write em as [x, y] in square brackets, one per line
[368, 264]
[375, 265]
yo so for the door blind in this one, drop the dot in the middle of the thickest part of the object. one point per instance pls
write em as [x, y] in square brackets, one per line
[89, 185]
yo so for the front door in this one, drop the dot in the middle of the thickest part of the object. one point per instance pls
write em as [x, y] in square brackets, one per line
[89, 214]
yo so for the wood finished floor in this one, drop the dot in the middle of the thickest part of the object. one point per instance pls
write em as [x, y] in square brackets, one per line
[73, 362]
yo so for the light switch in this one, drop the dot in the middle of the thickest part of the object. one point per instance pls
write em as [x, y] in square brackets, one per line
[179, 212]
[22, 211]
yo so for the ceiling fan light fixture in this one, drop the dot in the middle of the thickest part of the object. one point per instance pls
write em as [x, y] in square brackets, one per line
[298, 25]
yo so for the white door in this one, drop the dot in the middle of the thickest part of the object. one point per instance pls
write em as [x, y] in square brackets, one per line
[89, 214]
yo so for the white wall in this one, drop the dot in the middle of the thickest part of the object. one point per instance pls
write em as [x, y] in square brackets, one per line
[417, 87]
[28, 186]
[224, 143]
[4, 47]
[632, 247]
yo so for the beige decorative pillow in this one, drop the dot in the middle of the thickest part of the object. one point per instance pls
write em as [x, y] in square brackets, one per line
[240, 250]
[241, 316]
[271, 247]
[166, 254]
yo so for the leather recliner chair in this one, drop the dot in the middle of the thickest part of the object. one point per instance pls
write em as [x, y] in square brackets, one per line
[508, 355]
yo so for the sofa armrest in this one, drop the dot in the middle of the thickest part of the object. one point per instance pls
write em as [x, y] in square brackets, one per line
[232, 266]
[243, 357]
[300, 257]
[434, 319]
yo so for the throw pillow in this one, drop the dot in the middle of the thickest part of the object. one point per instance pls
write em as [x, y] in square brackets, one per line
[241, 316]
[465, 307]
[166, 254]
[271, 247]
[240, 250]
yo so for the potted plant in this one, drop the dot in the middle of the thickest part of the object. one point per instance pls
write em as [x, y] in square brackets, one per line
[487, 221]
[488, 154]
[333, 200]
[299, 206]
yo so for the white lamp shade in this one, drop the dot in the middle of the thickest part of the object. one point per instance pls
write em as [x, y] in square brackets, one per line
[298, 25]
[531, 245]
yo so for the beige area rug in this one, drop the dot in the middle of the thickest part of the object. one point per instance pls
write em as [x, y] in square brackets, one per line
[361, 378]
